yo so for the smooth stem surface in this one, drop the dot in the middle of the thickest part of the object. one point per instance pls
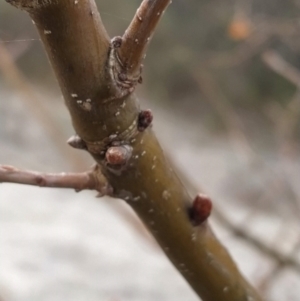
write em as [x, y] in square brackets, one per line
[76, 181]
[78, 48]
[139, 33]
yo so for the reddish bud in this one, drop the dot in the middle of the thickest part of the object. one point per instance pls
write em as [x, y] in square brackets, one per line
[200, 210]
[144, 120]
[118, 155]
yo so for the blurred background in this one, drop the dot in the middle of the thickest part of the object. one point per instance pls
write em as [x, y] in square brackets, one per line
[223, 80]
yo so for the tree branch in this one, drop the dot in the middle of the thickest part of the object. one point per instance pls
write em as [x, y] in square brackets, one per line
[78, 181]
[276, 63]
[128, 154]
[238, 231]
[139, 33]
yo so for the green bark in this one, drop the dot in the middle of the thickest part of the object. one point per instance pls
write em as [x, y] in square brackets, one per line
[104, 113]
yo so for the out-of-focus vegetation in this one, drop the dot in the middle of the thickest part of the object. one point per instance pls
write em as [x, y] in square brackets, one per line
[220, 40]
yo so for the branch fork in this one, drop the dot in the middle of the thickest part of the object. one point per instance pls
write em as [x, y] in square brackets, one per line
[105, 73]
[124, 81]
[128, 52]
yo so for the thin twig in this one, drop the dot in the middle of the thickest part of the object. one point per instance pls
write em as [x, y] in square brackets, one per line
[266, 282]
[275, 62]
[227, 113]
[235, 126]
[241, 53]
[137, 36]
[78, 181]
[238, 231]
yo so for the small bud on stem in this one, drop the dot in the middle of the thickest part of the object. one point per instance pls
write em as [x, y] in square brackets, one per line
[144, 120]
[200, 210]
[118, 155]
[76, 142]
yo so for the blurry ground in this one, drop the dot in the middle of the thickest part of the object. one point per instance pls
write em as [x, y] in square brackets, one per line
[223, 80]
[59, 245]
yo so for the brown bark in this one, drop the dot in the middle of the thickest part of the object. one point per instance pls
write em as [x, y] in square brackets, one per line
[105, 114]
[92, 180]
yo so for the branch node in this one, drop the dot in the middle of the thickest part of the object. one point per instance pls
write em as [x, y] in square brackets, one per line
[116, 42]
[124, 81]
[40, 181]
[100, 182]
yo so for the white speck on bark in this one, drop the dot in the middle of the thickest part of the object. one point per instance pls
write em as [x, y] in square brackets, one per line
[87, 106]
[137, 198]
[166, 194]
[225, 289]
